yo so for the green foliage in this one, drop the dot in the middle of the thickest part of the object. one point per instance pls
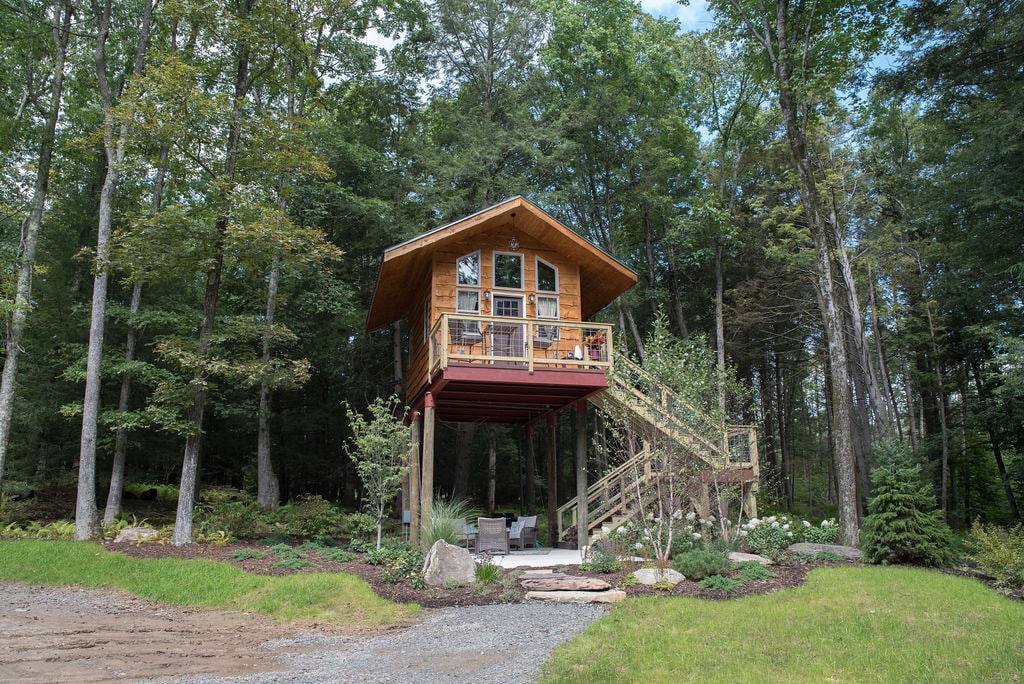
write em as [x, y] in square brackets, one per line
[309, 516]
[57, 530]
[357, 525]
[751, 571]
[999, 552]
[248, 554]
[903, 524]
[403, 563]
[767, 536]
[380, 448]
[291, 563]
[720, 583]
[827, 556]
[826, 533]
[335, 554]
[487, 573]
[696, 564]
[231, 511]
[446, 517]
[601, 557]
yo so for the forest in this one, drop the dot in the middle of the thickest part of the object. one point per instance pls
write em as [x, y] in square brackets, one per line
[824, 200]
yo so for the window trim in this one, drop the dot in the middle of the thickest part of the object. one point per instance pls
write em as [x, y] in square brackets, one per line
[522, 271]
[536, 276]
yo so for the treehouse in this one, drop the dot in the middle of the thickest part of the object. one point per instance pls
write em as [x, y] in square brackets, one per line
[497, 306]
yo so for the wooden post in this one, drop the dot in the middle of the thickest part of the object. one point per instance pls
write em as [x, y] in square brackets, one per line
[531, 505]
[427, 477]
[552, 480]
[414, 480]
[582, 521]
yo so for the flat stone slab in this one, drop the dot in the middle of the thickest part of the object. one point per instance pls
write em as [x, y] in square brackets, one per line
[847, 552]
[565, 584]
[737, 557]
[610, 596]
[651, 576]
[136, 534]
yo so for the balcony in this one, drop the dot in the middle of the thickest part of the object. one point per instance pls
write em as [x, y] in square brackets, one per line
[513, 370]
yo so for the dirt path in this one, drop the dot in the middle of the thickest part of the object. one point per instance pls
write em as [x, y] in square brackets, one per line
[61, 634]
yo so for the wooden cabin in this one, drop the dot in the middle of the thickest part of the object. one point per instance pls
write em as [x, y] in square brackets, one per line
[497, 305]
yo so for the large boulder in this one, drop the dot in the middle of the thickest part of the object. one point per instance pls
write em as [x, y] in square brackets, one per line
[806, 549]
[738, 557]
[651, 576]
[446, 562]
[136, 534]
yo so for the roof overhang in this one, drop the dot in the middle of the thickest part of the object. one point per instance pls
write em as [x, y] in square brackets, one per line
[602, 277]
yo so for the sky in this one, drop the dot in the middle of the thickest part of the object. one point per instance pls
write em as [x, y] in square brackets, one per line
[693, 17]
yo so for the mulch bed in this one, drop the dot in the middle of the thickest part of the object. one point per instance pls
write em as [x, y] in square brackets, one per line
[436, 597]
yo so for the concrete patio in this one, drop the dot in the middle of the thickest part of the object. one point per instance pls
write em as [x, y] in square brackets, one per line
[538, 558]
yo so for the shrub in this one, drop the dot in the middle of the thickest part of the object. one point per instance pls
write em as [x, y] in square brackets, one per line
[903, 524]
[601, 557]
[335, 554]
[696, 564]
[231, 511]
[404, 563]
[291, 563]
[826, 533]
[248, 554]
[445, 522]
[720, 582]
[827, 556]
[999, 553]
[487, 573]
[751, 571]
[309, 516]
[361, 526]
[767, 536]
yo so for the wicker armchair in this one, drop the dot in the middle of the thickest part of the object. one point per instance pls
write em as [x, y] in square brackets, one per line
[491, 536]
[524, 532]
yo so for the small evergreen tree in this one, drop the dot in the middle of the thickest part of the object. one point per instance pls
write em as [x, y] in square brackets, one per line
[380, 449]
[903, 524]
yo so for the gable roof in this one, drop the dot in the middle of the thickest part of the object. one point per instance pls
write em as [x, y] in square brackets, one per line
[602, 277]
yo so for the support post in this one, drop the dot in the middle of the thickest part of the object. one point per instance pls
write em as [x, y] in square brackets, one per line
[552, 472]
[414, 480]
[427, 477]
[582, 520]
[531, 505]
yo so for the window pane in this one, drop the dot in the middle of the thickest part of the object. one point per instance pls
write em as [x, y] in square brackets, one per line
[469, 270]
[547, 277]
[547, 307]
[508, 271]
[467, 301]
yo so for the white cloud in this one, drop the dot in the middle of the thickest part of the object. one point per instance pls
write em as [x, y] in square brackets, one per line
[692, 17]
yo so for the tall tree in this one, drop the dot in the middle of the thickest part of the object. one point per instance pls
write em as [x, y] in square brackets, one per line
[16, 313]
[812, 49]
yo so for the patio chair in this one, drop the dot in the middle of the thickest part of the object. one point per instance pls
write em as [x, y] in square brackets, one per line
[491, 536]
[524, 532]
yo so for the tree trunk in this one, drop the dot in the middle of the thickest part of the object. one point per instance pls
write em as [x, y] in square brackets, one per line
[16, 319]
[268, 493]
[190, 460]
[993, 437]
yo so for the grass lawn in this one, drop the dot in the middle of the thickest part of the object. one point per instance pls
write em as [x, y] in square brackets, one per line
[846, 624]
[334, 598]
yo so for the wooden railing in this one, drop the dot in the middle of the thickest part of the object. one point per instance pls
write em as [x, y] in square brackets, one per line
[519, 342]
[648, 405]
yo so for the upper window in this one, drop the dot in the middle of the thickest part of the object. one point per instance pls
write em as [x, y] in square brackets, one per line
[468, 270]
[547, 277]
[508, 271]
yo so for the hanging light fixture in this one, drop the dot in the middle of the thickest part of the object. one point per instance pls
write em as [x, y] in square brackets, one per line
[513, 243]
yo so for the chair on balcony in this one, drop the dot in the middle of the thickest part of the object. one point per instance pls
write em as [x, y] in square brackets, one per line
[545, 337]
[491, 536]
[523, 533]
[464, 333]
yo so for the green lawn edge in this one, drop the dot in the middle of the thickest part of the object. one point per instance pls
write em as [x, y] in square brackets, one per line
[845, 624]
[336, 598]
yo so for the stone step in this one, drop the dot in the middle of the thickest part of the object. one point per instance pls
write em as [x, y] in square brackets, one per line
[565, 584]
[610, 596]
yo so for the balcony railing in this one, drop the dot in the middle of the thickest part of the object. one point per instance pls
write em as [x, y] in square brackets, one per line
[519, 343]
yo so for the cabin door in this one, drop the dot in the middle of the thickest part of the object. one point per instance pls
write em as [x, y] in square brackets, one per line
[507, 339]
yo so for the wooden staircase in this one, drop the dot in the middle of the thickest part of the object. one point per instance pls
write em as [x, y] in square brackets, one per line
[656, 413]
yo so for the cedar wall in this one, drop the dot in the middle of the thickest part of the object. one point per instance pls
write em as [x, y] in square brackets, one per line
[442, 286]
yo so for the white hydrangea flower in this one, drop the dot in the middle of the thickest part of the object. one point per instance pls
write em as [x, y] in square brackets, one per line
[775, 525]
[806, 524]
[696, 535]
[691, 516]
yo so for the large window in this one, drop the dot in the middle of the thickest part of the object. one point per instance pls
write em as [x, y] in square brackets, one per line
[468, 270]
[547, 277]
[508, 271]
